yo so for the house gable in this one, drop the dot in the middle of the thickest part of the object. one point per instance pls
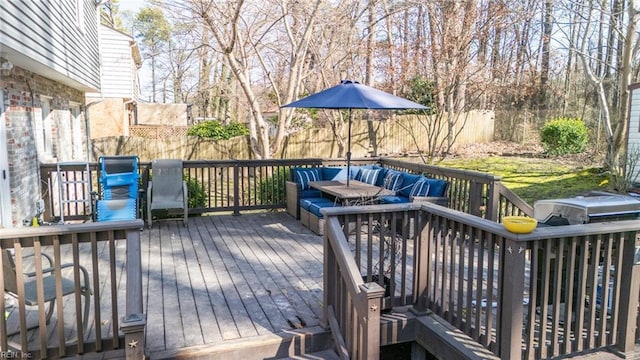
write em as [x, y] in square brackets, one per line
[57, 40]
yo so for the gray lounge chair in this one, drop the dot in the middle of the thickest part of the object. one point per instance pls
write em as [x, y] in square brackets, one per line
[68, 286]
[167, 189]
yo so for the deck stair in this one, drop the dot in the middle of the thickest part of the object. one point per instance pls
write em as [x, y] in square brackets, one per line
[307, 343]
[443, 341]
[320, 355]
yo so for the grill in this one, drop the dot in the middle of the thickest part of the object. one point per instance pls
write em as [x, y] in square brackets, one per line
[586, 209]
[579, 210]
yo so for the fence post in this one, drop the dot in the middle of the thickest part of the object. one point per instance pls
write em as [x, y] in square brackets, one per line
[510, 306]
[629, 289]
[134, 322]
[372, 295]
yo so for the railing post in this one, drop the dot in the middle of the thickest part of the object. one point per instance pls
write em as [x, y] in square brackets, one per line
[475, 198]
[46, 191]
[422, 263]
[629, 290]
[372, 295]
[512, 280]
[493, 201]
[134, 322]
[236, 188]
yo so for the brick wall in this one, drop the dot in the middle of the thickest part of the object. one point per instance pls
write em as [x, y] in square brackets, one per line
[23, 92]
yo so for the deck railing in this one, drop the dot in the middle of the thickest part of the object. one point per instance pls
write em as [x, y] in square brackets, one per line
[556, 291]
[352, 307]
[472, 192]
[240, 185]
[48, 260]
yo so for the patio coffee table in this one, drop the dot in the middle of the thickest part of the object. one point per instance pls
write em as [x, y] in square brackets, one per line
[357, 193]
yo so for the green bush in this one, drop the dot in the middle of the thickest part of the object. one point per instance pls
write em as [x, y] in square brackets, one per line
[272, 188]
[197, 194]
[563, 136]
[215, 130]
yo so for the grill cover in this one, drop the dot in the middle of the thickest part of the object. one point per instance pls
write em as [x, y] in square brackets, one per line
[586, 209]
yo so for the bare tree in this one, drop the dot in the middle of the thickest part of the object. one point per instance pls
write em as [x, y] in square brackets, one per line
[613, 113]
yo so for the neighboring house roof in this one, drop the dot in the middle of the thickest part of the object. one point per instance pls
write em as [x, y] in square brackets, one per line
[120, 60]
[59, 42]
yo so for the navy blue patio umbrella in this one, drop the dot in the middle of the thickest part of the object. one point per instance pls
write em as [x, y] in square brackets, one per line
[353, 95]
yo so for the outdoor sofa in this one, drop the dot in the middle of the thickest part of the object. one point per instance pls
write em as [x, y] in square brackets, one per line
[305, 203]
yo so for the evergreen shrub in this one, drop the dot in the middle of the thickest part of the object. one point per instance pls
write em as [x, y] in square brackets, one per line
[563, 136]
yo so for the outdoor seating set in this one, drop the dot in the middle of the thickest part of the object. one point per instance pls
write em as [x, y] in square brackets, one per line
[312, 189]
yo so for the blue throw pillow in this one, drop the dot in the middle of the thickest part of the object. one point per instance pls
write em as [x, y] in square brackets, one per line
[437, 187]
[369, 176]
[333, 173]
[381, 175]
[420, 188]
[303, 176]
[408, 180]
[393, 180]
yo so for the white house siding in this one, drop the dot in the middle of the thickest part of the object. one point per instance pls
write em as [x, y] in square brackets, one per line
[55, 55]
[113, 109]
[633, 141]
[119, 70]
[50, 39]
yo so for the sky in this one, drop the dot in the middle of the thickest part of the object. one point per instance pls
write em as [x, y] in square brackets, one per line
[132, 5]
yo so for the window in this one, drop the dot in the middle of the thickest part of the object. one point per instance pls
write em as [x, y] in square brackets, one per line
[44, 129]
[76, 130]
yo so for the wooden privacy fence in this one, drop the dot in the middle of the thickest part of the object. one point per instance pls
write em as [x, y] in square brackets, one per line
[557, 291]
[404, 134]
[85, 262]
[157, 132]
[240, 185]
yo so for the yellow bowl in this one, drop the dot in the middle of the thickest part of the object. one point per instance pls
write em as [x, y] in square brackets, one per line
[519, 224]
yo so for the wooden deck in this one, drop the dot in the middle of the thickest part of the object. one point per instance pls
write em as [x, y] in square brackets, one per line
[242, 287]
[227, 282]
[246, 287]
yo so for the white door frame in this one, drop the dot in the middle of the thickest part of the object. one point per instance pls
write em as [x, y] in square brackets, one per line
[5, 189]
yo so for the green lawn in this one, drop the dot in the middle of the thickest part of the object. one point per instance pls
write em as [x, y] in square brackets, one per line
[537, 178]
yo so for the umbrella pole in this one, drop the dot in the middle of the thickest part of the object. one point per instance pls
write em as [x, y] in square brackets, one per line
[349, 149]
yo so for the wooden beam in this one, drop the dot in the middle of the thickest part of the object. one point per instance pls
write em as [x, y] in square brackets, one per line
[444, 341]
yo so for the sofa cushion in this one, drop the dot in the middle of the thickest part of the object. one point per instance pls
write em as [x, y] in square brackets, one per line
[420, 188]
[392, 180]
[393, 199]
[333, 173]
[314, 208]
[310, 193]
[306, 203]
[304, 175]
[407, 184]
[437, 187]
[369, 176]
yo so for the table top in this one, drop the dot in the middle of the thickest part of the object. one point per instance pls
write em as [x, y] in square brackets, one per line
[355, 190]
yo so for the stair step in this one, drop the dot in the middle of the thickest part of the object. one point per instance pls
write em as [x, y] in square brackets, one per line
[306, 343]
[321, 355]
